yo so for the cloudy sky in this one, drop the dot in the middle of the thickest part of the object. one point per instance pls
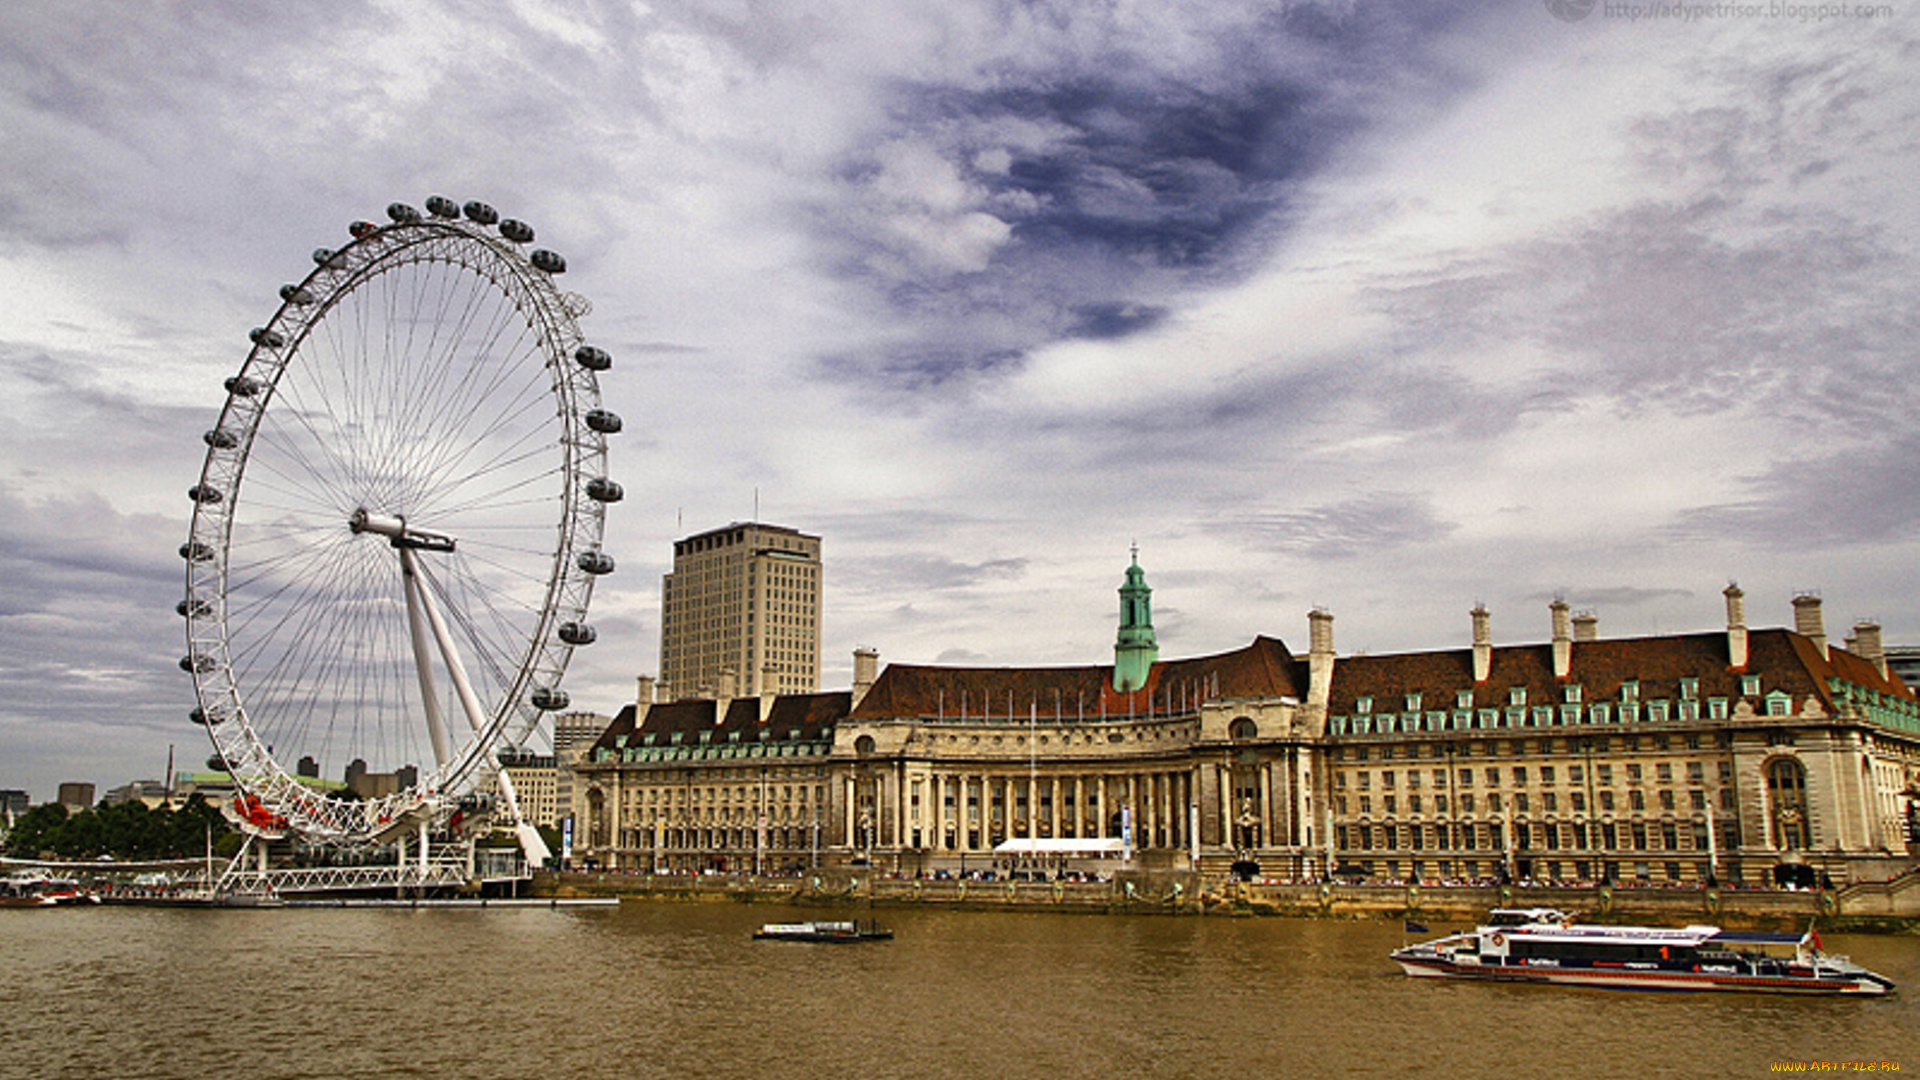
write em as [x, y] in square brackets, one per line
[1386, 307]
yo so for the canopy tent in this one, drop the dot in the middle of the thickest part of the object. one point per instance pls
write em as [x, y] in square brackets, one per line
[1064, 846]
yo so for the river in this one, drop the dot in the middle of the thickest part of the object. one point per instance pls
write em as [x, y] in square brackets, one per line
[680, 990]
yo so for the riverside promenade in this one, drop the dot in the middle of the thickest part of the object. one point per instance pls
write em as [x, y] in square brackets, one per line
[1891, 907]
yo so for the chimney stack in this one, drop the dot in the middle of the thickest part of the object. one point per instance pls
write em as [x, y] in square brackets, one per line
[645, 697]
[1866, 637]
[1808, 622]
[1736, 626]
[1482, 644]
[1586, 626]
[729, 687]
[1319, 657]
[769, 683]
[866, 669]
[1562, 640]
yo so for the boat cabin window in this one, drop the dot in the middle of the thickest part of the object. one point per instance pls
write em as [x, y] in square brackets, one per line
[1523, 948]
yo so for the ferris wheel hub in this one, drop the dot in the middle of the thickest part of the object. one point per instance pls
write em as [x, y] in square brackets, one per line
[395, 530]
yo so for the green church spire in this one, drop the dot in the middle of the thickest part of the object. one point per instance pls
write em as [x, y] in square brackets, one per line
[1135, 651]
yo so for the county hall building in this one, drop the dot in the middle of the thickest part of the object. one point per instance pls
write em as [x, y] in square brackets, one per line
[1676, 758]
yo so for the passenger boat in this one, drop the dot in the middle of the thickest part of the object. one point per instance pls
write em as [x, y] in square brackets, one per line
[829, 932]
[1544, 946]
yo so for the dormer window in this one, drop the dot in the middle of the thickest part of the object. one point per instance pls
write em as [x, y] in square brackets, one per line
[1630, 690]
[1517, 696]
[1573, 694]
[1363, 706]
[1689, 689]
[1750, 685]
[1463, 700]
[1413, 702]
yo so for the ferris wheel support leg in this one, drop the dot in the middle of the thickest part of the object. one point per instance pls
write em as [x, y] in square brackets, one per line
[530, 842]
[429, 698]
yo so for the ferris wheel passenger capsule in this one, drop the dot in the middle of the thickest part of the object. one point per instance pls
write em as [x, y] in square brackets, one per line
[193, 609]
[294, 294]
[592, 358]
[550, 261]
[547, 698]
[604, 490]
[203, 494]
[442, 207]
[577, 633]
[362, 229]
[517, 231]
[198, 716]
[595, 562]
[323, 256]
[401, 213]
[604, 421]
[220, 440]
[196, 664]
[242, 386]
[272, 339]
[481, 214]
[195, 551]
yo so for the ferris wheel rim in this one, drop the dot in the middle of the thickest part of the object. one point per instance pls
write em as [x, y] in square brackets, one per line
[271, 795]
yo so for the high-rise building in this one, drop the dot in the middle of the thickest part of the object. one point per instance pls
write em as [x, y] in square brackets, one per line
[740, 613]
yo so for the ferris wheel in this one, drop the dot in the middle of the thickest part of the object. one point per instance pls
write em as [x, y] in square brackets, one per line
[385, 607]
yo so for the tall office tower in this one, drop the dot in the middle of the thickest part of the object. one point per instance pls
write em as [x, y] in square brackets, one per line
[740, 614]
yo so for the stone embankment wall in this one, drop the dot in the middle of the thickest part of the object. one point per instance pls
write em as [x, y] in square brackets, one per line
[1879, 906]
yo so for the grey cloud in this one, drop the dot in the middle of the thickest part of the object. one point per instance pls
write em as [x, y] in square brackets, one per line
[908, 573]
[1616, 596]
[1865, 495]
[1369, 524]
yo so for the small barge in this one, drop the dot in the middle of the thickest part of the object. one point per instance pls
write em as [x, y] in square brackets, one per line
[828, 932]
[1540, 946]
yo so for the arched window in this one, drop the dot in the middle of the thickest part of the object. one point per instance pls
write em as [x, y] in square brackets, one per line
[1243, 729]
[863, 745]
[1787, 801]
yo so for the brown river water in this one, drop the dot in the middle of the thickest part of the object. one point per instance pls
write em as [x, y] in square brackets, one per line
[680, 990]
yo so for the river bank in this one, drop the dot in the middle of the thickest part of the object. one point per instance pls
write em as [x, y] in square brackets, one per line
[1892, 907]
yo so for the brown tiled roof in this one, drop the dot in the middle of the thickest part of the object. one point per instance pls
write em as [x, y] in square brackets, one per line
[808, 714]
[1262, 669]
[1784, 661]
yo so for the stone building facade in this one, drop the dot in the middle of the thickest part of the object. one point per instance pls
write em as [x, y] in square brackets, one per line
[1674, 758]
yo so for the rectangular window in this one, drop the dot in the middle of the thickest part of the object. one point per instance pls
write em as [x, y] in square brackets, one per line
[1750, 685]
[1546, 774]
[1664, 771]
[1605, 772]
[1386, 778]
[1666, 800]
[1633, 772]
[1606, 800]
[1579, 800]
[1636, 799]
[1726, 798]
[1466, 777]
[1519, 776]
[1466, 804]
[1575, 775]
[1698, 799]
[1520, 802]
[1549, 802]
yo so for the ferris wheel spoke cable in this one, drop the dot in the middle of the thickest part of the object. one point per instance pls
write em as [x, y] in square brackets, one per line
[436, 473]
[494, 498]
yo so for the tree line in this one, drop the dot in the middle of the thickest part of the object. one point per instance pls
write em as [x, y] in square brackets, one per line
[130, 831]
